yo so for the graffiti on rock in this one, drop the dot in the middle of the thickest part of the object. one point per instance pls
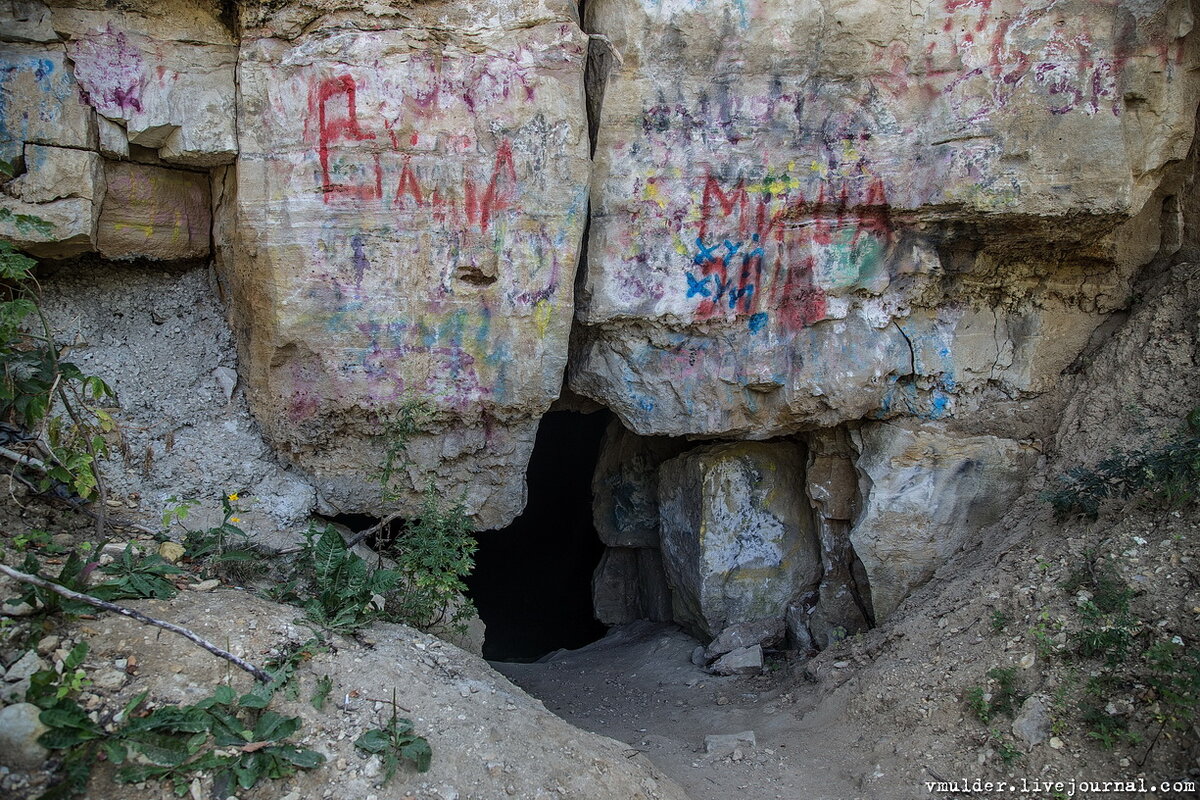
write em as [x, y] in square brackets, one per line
[448, 227]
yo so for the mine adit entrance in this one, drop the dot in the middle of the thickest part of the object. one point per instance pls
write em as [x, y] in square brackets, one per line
[532, 582]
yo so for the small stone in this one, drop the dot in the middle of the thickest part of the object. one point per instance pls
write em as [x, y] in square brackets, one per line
[47, 644]
[743, 661]
[373, 767]
[20, 728]
[698, 656]
[171, 551]
[1028, 660]
[1032, 724]
[1056, 743]
[205, 586]
[195, 790]
[24, 667]
[110, 680]
[720, 744]
[15, 609]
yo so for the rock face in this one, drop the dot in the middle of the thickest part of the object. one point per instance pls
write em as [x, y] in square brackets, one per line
[83, 82]
[772, 246]
[927, 491]
[432, 170]
[877, 233]
[738, 543]
[843, 603]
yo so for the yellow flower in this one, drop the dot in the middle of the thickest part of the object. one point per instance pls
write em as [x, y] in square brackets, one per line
[234, 519]
[233, 497]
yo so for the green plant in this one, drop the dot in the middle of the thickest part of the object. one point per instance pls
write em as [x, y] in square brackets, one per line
[35, 382]
[47, 686]
[1174, 675]
[346, 588]
[1002, 699]
[137, 576]
[235, 739]
[999, 621]
[434, 551]
[321, 693]
[1168, 474]
[1042, 633]
[224, 550]
[395, 742]
[73, 575]
[1007, 750]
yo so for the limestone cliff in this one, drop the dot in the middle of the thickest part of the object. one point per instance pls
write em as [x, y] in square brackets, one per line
[874, 232]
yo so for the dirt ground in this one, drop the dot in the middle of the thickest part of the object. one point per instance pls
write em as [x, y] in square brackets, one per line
[639, 686]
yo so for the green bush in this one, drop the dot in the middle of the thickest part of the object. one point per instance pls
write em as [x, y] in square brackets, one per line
[1168, 474]
[48, 402]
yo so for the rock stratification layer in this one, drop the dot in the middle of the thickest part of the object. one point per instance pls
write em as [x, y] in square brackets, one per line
[404, 222]
[779, 187]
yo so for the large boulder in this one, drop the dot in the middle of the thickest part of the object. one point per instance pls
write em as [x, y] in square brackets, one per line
[804, 213]
[625, 486]
[403, 224]
[924, 492]
[737, 536]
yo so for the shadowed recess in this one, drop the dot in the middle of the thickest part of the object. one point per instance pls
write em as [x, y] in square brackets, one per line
[533, 580]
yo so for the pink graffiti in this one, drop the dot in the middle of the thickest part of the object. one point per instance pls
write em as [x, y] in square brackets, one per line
[110, 72]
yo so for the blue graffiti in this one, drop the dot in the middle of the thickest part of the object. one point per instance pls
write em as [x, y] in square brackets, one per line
[698, 286]
[757, 322]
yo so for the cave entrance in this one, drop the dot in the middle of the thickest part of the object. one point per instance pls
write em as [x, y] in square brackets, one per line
[532, 582]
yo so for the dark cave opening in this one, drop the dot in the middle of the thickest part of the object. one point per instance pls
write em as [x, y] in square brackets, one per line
[532, 582]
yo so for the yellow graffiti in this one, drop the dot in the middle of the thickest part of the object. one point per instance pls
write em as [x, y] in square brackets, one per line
[541, 316]
[653, 194]
[147, 230]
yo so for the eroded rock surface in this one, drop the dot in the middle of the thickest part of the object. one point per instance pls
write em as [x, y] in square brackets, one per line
[927, 491]
[431, 166]
[780, 192]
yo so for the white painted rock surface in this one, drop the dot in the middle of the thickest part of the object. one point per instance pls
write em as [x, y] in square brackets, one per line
[925, 491]
[408, 204]
[737, 537]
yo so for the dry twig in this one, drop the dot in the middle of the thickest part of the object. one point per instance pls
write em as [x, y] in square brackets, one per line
[70, 594]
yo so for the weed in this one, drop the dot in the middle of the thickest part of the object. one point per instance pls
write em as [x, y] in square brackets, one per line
[1007, 750]
[235, 739]
[225, 550]
[1168, 475]
[346, 588]
[137, 576]
[321, 694]
[1003, 699]
[395, 742]
[434, 551]
[35, 382]
[999, 621]
[47, 687]
[1043, 633]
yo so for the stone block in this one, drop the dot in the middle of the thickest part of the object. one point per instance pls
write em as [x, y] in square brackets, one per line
[153, 212]
[625, 486]
[404, 224]
[737, 537]
[924, 491]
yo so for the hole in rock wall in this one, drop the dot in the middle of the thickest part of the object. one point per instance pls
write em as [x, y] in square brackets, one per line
[532, 582]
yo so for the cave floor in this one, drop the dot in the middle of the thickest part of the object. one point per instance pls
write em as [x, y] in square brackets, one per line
[638, 686]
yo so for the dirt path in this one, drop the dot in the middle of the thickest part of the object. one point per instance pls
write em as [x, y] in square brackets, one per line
[639, 686]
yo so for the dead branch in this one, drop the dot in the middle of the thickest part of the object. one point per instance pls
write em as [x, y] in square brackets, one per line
[70, 594]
